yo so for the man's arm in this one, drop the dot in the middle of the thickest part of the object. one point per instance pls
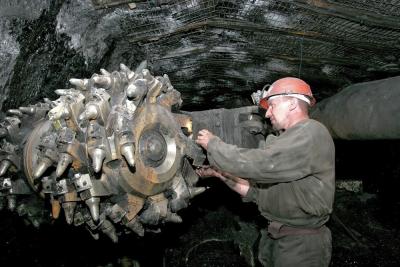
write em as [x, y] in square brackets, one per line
[235, 183]
[238, 185]
[286, 160]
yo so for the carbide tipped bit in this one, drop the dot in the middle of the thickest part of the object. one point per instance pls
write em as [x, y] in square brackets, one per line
[43, 165]
[130, 75]
[28, 110]
[4, 165]
[109, 230]
[79, 83]
[124, 68]
[21, 210]
[147, 75]
[173, 217]
[91, 112]
[12, 202]
[94, 208]
[137, 90]
[69, 210]
[194, 191]
[128, 151]
[136, 226]
[97, 155]
[59, 112]
[104, 72]
[141, 66]
[127, 70]
[63, 163]
[35, 222]
[61, 92]
[15, 112]
[104, 81]
[95, 236]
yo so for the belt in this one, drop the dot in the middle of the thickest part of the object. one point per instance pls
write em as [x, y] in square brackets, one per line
[278, 230]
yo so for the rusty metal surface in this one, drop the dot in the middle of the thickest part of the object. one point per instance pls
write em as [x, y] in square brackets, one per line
[243, 126]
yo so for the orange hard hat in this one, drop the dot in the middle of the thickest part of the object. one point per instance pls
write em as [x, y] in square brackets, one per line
[288, 86]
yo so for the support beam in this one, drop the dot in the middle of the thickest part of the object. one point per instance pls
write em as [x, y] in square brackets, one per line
[349, 13]
[346, 62]
[254, 27]
[100, 4]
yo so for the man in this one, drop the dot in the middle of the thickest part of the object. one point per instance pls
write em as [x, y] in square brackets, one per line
[292, 180]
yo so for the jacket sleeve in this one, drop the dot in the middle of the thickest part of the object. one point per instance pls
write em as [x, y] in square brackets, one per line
[286, 159]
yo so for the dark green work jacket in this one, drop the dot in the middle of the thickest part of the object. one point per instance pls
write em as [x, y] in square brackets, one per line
[299, 166]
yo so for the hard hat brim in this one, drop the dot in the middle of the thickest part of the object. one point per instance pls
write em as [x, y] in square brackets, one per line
[264, 101]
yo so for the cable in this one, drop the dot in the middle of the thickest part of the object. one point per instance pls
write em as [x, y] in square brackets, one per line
[301, 56]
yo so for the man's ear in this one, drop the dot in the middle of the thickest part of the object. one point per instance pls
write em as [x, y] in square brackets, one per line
[293, 103]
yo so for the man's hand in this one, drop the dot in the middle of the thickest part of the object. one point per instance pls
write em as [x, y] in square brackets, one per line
[203, 137]
[207, 171]
[235, 183]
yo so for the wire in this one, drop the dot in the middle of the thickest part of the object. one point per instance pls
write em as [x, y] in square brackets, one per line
[301, 56]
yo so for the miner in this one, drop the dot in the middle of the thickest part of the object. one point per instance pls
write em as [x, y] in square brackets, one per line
[292, 179]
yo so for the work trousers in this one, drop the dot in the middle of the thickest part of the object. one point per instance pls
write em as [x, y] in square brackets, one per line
[309, 250]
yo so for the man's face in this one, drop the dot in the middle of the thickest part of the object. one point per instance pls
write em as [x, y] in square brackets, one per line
[278, 112]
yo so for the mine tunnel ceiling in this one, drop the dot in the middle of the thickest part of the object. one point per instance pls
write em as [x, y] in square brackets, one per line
[223, 50]
[219, 52]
